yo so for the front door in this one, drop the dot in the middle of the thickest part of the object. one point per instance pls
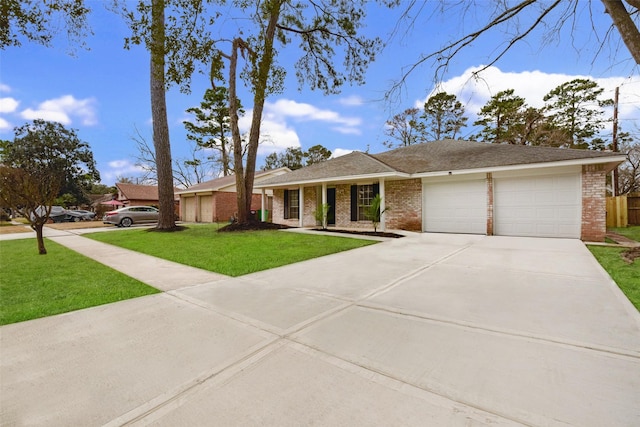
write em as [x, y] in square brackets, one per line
[331, 200]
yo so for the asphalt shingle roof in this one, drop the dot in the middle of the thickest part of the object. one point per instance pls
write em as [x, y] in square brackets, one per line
[226, 181]
[437, 156]
[459, 155]
[139, 192]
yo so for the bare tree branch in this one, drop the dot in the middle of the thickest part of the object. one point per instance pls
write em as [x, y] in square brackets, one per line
[628, 30]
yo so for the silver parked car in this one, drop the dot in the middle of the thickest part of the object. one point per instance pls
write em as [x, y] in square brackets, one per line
[124, 217]
[81, 215]
[57, 214]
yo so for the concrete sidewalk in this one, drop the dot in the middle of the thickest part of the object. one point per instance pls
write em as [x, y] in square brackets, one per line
[423, 330]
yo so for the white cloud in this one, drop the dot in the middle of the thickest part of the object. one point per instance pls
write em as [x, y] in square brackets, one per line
[474, 92]
[303, 111]
[117, 168]
[8, 105]
[4, 125]
[274, 135]
[340, 152]
[123, 164]
[4, 88]
[351, 101]
[277, 134]
[347, 130]
[62, 110]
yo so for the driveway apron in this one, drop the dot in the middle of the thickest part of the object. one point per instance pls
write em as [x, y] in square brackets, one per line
[428, 329]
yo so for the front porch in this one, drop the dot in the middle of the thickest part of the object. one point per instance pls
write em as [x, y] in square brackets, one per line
[401, 204]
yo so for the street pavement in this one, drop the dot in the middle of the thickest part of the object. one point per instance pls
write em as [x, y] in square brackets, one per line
[429, 329]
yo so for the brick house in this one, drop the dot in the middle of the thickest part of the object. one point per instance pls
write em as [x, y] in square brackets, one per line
[215, 200]
[142, 195]
[453, 186]
[136, 195]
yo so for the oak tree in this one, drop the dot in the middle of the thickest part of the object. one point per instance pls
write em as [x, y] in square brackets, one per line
[510, 23]
[42, 158]
[38, 21]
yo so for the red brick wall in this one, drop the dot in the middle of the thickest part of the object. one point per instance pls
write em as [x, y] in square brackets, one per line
[594, 211]
[404, 204]
[225, 205]
[278, 210]
[310, 206]
[343, 210]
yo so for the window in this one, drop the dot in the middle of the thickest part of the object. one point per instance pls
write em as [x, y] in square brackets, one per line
[365, 195]
[361, 197]
[291, 204]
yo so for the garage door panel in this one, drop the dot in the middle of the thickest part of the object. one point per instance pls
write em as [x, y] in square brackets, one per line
[543, 206]
[456, 207]
[206, 209]
[190, 209]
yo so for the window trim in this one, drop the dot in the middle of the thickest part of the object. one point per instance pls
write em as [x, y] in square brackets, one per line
[356, 207]
[289, 197]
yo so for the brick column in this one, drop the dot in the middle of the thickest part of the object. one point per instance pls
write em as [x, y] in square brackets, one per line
[594, 209]
[489, 204]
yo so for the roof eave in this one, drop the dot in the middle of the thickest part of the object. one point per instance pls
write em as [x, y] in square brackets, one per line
[613, 161]
[338, 179]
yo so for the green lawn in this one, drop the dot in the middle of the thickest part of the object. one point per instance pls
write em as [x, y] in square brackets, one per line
[626, 275]
[232, 254]
[33, 286]
[632, 232]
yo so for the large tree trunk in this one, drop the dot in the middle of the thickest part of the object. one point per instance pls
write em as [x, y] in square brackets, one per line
[244, 183]
[238, 167]
[625, 25]
[166, 220]
[39, 237]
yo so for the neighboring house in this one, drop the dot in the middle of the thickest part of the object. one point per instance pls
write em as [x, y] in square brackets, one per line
[215, 200]
[134, 194]
[142, 195]
[455, 187]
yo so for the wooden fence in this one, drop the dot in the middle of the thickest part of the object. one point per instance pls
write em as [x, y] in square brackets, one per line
[633, 210]
[617, 213]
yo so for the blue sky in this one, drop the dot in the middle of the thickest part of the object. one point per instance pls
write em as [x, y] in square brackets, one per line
[104, 92]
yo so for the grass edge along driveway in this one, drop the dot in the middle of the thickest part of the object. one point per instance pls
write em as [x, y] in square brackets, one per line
[232, 254]
[34, 286]
[626, 275]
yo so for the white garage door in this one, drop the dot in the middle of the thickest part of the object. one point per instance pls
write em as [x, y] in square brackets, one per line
[541, 206]
[456, 207]
[206, 209]
[189, 209]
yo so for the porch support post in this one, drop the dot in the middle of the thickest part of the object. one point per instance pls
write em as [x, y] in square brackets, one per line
[383, 217]
[300, 206]
[263, 203]
[197, 212]
[324, 193]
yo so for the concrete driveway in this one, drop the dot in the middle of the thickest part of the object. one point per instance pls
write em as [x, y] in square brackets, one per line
[424, 330]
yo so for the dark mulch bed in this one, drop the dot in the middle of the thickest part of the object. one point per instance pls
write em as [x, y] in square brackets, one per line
[252, 226]
[630, 255]
[257, 225]
[169, 230]
[361, 233]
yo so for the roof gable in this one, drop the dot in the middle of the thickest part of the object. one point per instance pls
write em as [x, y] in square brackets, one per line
[228, 183]
[355, 163]
[139, 192]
